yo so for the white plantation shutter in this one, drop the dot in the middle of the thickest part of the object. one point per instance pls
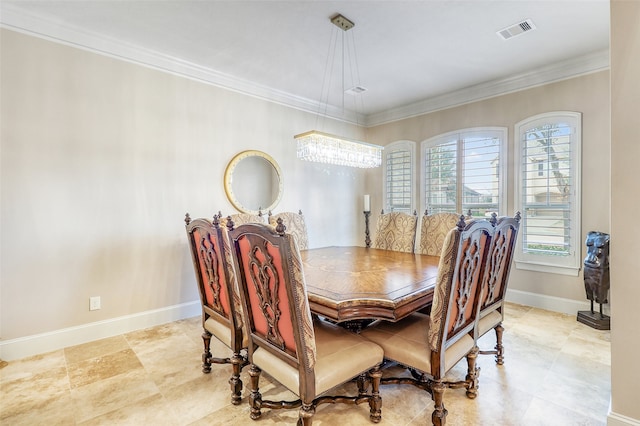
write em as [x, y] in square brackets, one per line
[481, 173]
[463, 171]
[441, 177]
[547, 192]
[398, 177]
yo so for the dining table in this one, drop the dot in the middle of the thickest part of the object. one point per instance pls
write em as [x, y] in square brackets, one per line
[355, 284]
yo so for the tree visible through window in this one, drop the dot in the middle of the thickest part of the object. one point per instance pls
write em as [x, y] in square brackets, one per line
[463, 172]
[548, 190]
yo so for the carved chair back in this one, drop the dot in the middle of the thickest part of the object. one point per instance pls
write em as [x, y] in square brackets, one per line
[215, 279]
[396, 231]
[433, 231]
[494, 284]
[454, 310]
[294, 224]
[274, 297]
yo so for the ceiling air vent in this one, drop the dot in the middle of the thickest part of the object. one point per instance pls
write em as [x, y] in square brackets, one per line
[355, 90]
[517, 29]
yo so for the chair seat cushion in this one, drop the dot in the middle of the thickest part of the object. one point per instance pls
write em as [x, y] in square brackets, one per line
[222, 332]
[406, 342]
[488, 322]
[340, 356]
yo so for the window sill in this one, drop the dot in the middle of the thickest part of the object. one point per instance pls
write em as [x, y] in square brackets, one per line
[551, 269]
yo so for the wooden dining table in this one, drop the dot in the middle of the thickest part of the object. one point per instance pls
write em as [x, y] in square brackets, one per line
[358, 283]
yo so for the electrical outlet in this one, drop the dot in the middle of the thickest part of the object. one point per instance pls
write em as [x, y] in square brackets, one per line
[94, 303]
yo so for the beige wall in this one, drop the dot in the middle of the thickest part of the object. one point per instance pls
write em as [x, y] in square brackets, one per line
[589, 95]
[625, 203]
[101, 159]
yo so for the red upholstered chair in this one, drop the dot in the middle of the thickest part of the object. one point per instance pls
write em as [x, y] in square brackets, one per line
[295, 225]
[306, 355]
[430, 345]
[396, 231]
[218, 295]
[494, 284]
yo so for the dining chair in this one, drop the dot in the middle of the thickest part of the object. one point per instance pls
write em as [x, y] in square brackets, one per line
[241, 218]
[430, 345]
[295, 225]
[396, 231]
[495, 281]
[433, 231]
[218, 296]
[306, 355]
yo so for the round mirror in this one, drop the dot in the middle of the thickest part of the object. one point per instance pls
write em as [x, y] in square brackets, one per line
[253, 182]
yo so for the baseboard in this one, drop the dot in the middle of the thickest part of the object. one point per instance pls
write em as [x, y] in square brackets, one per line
[614, 419]
[58, 339]
[551, 303]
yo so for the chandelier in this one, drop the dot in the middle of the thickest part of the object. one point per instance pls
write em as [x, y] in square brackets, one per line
[325, 148]
[331, 149]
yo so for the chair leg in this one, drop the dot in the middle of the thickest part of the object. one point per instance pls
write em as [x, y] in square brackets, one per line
[234, 381]
[306, 413]
[255, 399]
[375, 402]
[499, 348]
[362, 384]
[473, 373]
[206, 355]
[439, 415]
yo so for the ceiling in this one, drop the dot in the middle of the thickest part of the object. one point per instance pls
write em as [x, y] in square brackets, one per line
[411, 56]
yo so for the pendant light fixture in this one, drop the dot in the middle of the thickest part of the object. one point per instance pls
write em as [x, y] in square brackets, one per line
[326, 148]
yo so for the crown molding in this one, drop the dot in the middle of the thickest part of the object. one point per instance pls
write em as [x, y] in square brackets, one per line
[16, 19]
[574, 67]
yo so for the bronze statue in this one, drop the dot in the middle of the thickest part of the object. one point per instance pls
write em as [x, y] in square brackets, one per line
[596, 278]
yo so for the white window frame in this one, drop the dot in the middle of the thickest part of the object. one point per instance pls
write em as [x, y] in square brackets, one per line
[502, 133]
[403, 145]
[564, 265]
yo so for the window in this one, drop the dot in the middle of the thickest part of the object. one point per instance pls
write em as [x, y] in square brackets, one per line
[548, 192]
[398, 177]
[464, 171]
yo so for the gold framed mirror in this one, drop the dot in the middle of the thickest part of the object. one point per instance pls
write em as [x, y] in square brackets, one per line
[253, 182]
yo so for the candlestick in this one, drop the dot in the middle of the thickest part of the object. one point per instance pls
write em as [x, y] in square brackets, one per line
[367, 240]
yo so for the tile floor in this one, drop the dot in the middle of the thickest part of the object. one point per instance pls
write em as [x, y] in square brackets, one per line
[556, 372]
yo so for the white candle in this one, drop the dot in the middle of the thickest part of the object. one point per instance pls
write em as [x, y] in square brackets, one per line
[367, 203]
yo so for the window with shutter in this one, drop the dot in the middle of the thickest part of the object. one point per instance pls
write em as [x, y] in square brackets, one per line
[548, 192]
[463, 172]
[398, 177]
